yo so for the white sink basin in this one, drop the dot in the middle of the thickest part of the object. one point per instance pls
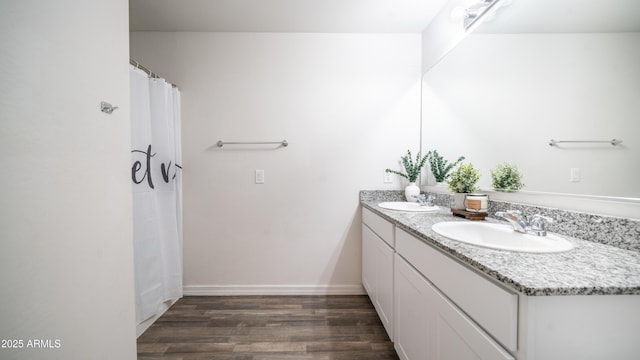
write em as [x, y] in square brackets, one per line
[501, 237]
[407, 206]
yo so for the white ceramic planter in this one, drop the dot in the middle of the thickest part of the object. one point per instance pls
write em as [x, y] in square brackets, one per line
[458, 201]
[411, 192]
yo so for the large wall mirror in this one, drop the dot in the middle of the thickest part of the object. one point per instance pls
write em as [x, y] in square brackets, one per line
[542, 70]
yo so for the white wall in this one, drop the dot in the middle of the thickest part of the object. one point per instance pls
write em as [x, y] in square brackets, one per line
[348, 105]
[66, 264]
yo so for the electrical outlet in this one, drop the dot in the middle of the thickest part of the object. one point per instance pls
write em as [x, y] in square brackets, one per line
[387, 178]
[259, 176]
[575, 175]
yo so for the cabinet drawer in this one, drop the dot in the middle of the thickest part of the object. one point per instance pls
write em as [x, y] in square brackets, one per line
[380, 226]
[492, 307]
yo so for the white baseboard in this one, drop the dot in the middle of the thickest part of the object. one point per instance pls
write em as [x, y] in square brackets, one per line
[226, 290]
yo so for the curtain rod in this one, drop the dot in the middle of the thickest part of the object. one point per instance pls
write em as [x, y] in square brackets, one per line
[146, 70]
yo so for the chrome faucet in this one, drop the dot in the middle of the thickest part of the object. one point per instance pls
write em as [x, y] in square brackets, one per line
[520, 223]
[424, 200]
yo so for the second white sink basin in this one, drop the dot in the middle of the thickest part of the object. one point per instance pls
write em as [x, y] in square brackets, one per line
[407, 206]
[501, 237]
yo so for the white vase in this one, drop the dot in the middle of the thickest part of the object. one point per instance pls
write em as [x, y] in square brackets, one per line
[458, 201]
[411, 192]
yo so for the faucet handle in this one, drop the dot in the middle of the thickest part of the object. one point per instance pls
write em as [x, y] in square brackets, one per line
[541, 219]
[510, 214]
[421, 198]
[538, 224]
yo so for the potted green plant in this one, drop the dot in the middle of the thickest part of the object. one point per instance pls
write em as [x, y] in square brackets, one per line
[412, 171]
[440, 167]
[462, 181]
[506, 177]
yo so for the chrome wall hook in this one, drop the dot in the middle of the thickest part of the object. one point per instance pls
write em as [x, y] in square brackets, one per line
[107, 108]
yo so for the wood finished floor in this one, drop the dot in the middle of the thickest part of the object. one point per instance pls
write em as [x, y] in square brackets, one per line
[268, 328]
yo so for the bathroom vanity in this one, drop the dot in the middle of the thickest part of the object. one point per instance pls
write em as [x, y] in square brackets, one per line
[442, 299]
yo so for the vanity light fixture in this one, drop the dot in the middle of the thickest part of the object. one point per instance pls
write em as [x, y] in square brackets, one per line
[474, 12]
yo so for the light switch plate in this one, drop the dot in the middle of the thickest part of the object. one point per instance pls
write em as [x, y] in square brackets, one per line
[259, 176]
[575, 175]
[387, 178]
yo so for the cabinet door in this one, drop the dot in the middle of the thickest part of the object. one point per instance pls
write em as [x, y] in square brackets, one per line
[377, 276]
[368, 261]
[429, 326]
[414, 313]
[457, 337]
[492, 307]
[383, 301]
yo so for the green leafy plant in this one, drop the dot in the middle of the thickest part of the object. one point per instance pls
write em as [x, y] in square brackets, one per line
[411, 167]
[464, 179]
[506, 177]
[439, 166]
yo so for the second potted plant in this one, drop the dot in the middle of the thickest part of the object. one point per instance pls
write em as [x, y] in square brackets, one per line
[440, 167]
[506, 177]
[463, 181]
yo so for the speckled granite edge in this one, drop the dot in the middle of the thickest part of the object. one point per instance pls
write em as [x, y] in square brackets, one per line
[382, 195]
[619, 232]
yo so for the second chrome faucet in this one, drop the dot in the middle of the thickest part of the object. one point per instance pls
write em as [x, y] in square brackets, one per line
[536, 225]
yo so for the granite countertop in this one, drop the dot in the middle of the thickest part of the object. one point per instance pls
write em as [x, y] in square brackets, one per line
[588, 269]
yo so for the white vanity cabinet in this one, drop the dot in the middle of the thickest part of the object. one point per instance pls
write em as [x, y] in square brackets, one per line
[446, 310]
[431, 324]
[378, 266]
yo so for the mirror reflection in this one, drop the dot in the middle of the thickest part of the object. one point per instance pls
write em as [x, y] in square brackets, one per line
[542, 70]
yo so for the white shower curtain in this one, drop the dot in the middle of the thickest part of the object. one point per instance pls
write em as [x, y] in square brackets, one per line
[157, 192]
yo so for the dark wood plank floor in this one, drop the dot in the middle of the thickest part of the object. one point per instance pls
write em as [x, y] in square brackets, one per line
[268, 328]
